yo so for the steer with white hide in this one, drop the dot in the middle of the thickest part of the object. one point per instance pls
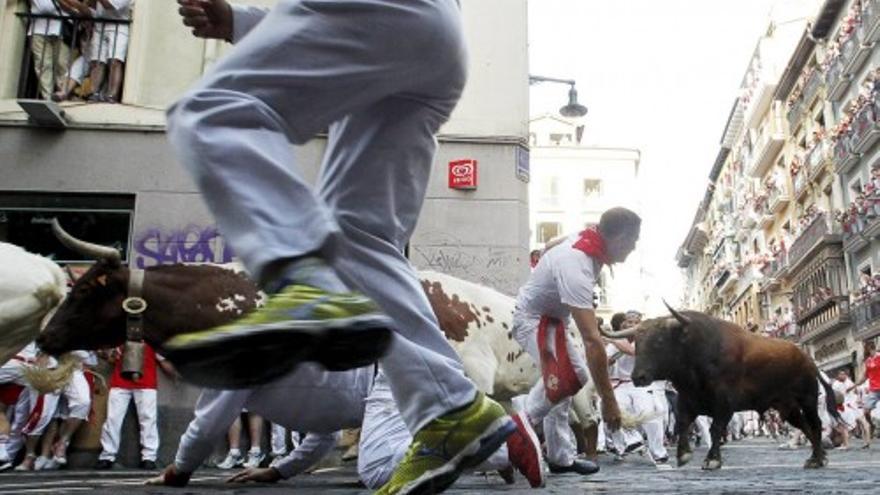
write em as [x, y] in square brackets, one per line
[719, 368]
[475, 319]
[30, 286]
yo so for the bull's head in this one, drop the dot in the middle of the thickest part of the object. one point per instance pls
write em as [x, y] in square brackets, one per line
[91, 317]
[658, 343]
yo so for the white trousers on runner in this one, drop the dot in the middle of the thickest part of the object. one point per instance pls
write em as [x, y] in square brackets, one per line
[117, 406]
[383, 75]
[561, 444]
[385, 438]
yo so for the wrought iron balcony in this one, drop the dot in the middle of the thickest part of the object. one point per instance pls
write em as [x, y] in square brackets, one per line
[778, 200]
[771, 138]
[815, 234]
[855, 51]
[794, 114]
[843, 156]
[871, 21]
[773, 271]
[865, 128]
[811, 87]
[800, 183]
[836, 80]
[866, 317]
[817, 158]
[825, 317]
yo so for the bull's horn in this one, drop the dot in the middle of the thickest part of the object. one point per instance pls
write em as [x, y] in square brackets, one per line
[678, 316]
[84, 248]
[629, 332]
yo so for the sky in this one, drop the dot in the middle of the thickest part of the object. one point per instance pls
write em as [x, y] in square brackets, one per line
[657, 75]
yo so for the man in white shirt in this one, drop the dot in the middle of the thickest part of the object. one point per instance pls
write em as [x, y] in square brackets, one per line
[109, 47]
[51, 55]
[559, 290]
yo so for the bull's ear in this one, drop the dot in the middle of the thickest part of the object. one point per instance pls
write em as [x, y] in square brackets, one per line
[101, 279]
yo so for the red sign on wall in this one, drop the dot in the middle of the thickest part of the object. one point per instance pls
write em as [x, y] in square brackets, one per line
[463, 174]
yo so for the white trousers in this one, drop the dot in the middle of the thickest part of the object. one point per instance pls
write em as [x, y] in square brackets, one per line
[19, 419]
[552, 418]
[76, 398]
[385, 438]
[703, 425]
[343, 65]
[117, 406]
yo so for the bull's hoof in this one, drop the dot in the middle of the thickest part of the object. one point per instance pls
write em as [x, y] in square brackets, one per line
[684, 458]
[711, 464]
[813, 463]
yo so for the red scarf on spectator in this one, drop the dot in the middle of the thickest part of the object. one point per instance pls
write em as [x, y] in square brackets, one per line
[592, 243]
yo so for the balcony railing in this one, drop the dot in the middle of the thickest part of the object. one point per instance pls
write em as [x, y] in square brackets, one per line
[769, 142]
[843, 155]
[836, 80]
[866, 315]
[816, 159]
[51, 69]
[809, 238]
[871, 21]
[800, 183]
[865, 128]
[794, 113]
[778, 199]
[811, 88]
[825, 317]
[773, 269]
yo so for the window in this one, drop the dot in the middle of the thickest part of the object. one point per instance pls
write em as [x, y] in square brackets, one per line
[548, 231]
[558, 138]
[25, 220]
[592, 188]
[550, 191]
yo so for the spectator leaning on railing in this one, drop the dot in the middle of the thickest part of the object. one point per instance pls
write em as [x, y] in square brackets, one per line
[51, 56]
[109, 47]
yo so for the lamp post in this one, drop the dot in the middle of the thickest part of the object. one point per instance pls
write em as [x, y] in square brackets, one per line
[573, 109]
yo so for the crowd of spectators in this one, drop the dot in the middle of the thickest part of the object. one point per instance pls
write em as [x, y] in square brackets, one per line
[79, 47]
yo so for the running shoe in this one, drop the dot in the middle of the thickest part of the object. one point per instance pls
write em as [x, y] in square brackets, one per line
[448, 445]
[299, 323]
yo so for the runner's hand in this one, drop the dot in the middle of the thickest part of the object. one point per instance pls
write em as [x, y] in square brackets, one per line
[207, 18]
[611, 414]
[170, 477]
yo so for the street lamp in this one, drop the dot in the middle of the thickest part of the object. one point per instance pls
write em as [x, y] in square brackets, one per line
[573, 109]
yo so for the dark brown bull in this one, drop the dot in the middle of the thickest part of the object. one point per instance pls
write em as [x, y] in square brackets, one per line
[718, 368]
[92, 317]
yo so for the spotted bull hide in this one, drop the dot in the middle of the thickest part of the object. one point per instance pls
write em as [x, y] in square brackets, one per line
[30, 286]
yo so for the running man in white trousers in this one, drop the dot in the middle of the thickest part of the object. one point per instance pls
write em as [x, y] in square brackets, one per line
[382, 76]
[560, 289]
[322, 403]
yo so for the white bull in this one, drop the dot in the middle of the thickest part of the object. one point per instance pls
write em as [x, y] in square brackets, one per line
[477, 322]
[30, 287]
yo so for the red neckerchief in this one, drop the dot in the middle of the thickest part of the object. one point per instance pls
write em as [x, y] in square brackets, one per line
[593, 245]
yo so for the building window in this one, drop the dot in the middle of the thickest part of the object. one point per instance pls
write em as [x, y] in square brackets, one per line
[550, 191]
[558, 138]
[548, 231]
[25, 220]
[592, 188]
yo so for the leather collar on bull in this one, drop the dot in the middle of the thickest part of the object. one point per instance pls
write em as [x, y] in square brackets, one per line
[134, 306]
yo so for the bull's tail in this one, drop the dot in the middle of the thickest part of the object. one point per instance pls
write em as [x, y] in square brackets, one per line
[830, 401]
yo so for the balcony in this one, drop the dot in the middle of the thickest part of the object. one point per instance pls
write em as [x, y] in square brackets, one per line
[767, 220]
[836, 80]
[865, 129]
[762, 97]
[801, 184]
[843, 156]
[826, 317]
[49, 73]
[815, 235]
[871, 21]
[794, 114]
[866, 317]
[773, 271]
[816, 159]
[811, 87]
[728, 282]
[777, 200]
[771, 138]
[854, 51]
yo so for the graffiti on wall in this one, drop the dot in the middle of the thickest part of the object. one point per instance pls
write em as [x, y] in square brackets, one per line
[190, 244]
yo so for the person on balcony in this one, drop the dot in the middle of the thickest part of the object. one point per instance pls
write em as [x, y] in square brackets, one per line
[109, 46]
[51, 56]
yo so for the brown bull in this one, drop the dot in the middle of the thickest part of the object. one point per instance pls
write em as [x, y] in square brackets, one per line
[718, 368]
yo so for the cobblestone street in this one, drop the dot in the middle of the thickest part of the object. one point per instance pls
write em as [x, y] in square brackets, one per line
[752, 466]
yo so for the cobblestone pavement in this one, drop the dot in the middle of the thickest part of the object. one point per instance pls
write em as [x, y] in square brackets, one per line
[751, 466]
